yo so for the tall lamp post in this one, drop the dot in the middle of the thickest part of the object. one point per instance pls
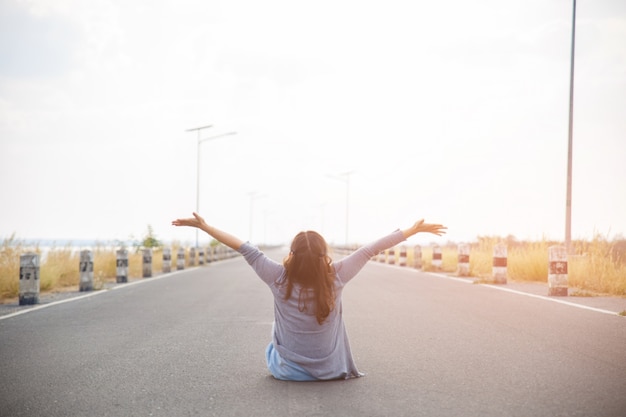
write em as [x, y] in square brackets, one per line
[199, 129]
[568, 198]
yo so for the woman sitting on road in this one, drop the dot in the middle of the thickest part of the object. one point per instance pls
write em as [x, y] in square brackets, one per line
[309, 339]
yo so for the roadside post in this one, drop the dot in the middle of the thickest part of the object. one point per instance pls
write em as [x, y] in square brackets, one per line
[86, 271]
[147, 262]
[463, 260]
[437, 257]
[180, 259]
[192, 257]
[557, 271]
[391, 256]
[121, 266]
[417, 257]
[167, 260]
[402, 260]
[29, 278]
[499, 270]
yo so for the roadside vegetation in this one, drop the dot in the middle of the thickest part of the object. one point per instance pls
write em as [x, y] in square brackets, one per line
[598, 266]
[59, 265]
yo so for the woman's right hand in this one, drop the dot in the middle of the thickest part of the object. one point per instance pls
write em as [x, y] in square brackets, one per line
[195, 221]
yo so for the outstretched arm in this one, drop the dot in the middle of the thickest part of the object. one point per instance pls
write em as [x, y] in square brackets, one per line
[420, 226]
[197, 221]
[349, 266]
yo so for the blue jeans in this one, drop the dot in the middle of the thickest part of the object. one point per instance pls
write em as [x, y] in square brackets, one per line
[283, 369]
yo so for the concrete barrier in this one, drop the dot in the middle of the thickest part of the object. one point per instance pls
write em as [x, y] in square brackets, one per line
[417, 257]
[180, 259]
[437, 261]
[557, 271]
[29, 279]
[121, 266]
[391, 256]
[147, 263]
[167, 260]
[499, 270]
[463, 266]
[201, 256]
[192, 257]
[402, 258]
[86, 271]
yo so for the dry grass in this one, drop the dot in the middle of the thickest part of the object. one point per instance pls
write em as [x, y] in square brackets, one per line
[10, 267]
[448, 259]
[599, 266]
[59, 269]
[595, 267]
[525, 262]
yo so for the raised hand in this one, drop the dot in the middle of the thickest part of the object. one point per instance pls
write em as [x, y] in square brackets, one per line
[436, 229]
[421, 227]
[195, 221]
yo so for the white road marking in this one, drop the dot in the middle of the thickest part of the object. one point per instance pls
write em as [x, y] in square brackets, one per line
[496, 287]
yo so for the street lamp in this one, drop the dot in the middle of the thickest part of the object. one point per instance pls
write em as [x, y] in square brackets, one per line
[340, 177]
[570, 142]
[199, 129]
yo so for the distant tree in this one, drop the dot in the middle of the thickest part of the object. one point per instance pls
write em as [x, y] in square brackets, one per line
[149, 240]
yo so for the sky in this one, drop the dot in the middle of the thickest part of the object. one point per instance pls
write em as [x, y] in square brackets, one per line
[352, 118]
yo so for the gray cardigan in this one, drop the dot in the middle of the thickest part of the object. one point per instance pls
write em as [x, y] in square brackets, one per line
[322, 350]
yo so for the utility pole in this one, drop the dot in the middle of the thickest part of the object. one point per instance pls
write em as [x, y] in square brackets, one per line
[568, 198]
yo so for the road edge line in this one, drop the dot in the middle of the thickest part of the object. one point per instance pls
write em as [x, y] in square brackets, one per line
[554, 300]
[94, 293]
[527, 294]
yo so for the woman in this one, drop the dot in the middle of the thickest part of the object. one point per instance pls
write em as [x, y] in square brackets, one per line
[309, 339]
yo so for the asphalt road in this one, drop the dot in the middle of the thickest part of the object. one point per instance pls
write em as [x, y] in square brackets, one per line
[192, 343]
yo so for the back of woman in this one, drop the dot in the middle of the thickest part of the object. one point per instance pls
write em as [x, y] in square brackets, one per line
[309, 331]
[309, 339]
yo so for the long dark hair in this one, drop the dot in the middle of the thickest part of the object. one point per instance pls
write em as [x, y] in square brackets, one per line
[309, 266]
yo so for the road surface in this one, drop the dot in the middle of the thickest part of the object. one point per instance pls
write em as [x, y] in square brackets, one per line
[192, 343]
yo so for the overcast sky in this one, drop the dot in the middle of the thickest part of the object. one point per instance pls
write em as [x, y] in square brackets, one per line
[452, 110]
